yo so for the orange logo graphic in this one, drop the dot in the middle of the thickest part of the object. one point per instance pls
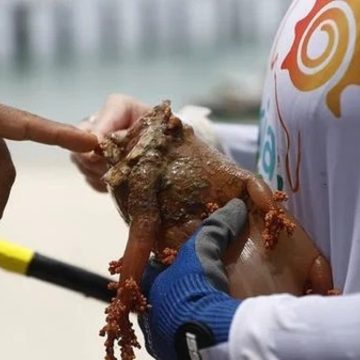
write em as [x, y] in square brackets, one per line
[338, 60]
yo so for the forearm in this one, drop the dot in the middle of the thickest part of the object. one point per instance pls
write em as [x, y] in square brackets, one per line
[286, 327]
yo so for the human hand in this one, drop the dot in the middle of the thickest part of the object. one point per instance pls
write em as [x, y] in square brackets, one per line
[21, 125]
[119, 112]
[191, 296]
[7, 175]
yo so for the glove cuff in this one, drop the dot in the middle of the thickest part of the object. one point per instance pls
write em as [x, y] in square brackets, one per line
[195, 300]
[216, 311]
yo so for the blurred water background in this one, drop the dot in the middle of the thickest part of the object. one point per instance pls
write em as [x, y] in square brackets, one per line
[61, 59]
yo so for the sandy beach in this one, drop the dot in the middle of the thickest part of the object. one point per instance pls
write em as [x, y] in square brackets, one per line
[54, 212]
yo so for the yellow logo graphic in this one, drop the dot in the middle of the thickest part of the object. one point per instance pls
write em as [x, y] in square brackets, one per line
[337, 20]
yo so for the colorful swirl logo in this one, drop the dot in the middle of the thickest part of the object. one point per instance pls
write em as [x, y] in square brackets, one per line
[339, 59]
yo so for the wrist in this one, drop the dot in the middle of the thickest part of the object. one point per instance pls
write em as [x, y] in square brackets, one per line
[208, 330]
[216, 311]
[190, 299]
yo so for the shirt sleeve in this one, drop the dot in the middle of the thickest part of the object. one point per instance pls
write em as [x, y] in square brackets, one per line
[287, 327]
[239, 142]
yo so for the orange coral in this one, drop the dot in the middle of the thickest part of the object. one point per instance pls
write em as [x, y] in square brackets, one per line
[275, 221]
[167, 256]
[118, 326]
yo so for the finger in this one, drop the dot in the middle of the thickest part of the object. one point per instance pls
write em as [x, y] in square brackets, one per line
[88, 172]
[7, 175]
[144, 324]
[91, 163]
[89, 123]
[119, 112]
[218, 230]
[94, 180]
[113, 116]
[230, 219]
[97, 185]
[17, 124]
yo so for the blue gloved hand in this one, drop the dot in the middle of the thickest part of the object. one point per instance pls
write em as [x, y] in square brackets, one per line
[190, 306]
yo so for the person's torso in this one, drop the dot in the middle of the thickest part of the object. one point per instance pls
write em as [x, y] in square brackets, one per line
[310, 127]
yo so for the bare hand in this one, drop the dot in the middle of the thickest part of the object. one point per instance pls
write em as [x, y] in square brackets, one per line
[20, 125]
[7, 175]
[119, 112]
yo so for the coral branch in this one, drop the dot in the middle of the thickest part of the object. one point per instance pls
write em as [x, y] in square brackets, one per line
[118, 327]
[275, 221]
[167, 256]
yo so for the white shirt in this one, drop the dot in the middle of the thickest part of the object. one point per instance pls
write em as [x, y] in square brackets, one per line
[310, 147]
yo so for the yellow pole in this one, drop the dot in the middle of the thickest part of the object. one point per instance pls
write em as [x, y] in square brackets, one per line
[15, 258]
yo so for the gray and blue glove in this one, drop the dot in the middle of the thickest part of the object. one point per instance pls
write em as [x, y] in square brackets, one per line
[190, 307]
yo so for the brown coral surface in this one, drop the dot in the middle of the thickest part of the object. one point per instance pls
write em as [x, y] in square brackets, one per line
[165, 181]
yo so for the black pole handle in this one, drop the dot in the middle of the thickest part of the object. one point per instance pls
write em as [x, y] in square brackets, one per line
[70, 277]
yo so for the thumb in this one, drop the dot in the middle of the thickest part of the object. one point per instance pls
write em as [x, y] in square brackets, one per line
[222, 227]
[230, 219]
